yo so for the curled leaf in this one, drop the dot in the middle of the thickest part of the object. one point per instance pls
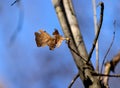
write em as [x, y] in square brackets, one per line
[58, 38]
[42, 39]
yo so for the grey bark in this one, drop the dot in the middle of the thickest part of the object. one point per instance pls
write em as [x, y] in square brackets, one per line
[71, 30]
[96, 28]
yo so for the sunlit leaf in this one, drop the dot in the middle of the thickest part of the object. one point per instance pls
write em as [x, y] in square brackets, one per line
[58, 38]
[42, 39]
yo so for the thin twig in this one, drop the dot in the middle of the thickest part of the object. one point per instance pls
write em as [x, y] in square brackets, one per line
[75, 51]
[109, 47]
[72, 49]
[115, 75]
[15, 2]
[96, 28]
[73, 81]
[20, 22]
[98, 31]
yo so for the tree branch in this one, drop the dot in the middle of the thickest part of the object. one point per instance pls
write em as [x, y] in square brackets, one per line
[75, 29]
[109, 47]
[98, 32]
[110, 66]
[59, 8]
[115, 75]
[74, 79]
[96, 28]
[20, 21]
[71, 30]
[15, 2]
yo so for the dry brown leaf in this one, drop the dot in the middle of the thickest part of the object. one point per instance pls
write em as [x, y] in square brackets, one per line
[42, 39]
[58, 38]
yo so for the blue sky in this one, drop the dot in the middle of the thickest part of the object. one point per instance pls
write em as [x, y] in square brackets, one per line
[24, 65]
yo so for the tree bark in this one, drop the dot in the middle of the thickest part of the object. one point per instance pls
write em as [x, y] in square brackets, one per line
[71, 30]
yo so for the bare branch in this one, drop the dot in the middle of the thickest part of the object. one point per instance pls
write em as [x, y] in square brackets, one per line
[109, 47]
[74, 27]
[59, 8]
[80, 47]
[96, 28]
[20, 22]
[15, 2]
[114, 62]
[115, 75]
[71, 30]
[110, 66]
[73, 81]
[98, 32]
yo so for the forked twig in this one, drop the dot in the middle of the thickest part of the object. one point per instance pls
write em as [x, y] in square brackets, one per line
[73, 81]
[109, 47]
[98, 31]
